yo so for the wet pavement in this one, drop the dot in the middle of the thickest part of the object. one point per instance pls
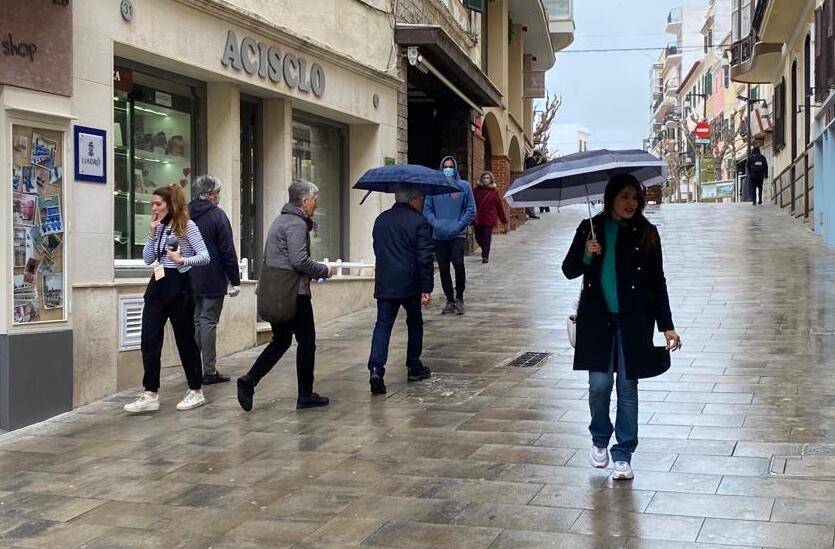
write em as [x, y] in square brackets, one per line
[737, 441]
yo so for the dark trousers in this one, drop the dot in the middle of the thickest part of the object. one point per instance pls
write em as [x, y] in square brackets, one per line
[757, 191]
[484, 236]
[387, 310]
[451, 251]
[304, 327]
[544, 209]
[169, 299]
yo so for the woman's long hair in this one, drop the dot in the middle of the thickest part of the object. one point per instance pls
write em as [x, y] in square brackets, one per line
[175, 199]
[613, 188]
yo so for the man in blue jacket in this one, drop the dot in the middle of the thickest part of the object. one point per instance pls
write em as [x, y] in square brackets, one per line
[404, 278]
[209, 283]
[450, 215]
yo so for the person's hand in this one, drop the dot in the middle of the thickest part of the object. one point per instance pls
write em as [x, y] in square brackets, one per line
[234, 291]
[175, 257]
[152, 228]
[673, 340]
[425, 299]
[330, 272]
[593, 248]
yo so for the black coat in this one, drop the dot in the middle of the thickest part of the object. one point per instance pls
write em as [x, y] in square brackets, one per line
[212, 280]
[403, 247]
[642, 300]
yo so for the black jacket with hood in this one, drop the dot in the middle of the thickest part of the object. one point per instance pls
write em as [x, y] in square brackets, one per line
[212, 280]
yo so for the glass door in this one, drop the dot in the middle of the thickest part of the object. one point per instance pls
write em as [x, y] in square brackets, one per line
[251, 212]
[154, 146]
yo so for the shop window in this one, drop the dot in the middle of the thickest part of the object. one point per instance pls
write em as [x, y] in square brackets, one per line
[155, 144]
[318, 156]
[37, 225]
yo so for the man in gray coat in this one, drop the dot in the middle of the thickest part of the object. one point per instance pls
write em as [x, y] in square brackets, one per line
[288, 247]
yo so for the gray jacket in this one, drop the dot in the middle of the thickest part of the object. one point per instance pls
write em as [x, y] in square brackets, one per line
[288, 246]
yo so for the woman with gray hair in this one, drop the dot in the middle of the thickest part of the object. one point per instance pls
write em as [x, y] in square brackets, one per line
[288, 247]
[210, 283]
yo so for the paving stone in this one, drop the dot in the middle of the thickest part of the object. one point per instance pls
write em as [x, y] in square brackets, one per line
[770, 534]
[705, 505]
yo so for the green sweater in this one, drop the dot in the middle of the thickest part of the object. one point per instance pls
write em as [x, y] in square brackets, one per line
[608, 272]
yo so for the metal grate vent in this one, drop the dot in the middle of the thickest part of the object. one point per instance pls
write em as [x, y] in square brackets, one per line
[130, 322]
[528, 360]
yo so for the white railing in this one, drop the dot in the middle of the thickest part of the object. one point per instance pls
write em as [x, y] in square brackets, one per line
[361, 268]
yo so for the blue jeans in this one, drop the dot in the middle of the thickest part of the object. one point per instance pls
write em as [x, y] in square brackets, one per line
[600, 394]
[387, 310]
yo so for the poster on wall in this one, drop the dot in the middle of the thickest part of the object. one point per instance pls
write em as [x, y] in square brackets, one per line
[90, 154]
[37, 225]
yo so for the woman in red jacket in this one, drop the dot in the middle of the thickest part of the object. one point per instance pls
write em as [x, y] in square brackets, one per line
[489, 211]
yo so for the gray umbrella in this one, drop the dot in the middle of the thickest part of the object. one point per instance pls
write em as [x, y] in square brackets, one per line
[581, 177]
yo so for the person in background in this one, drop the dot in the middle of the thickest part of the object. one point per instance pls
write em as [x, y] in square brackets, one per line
[757, 171]
[532, 161]
[450, 215]
[209, 284]
[174, 245]
[624, 296]
[489, 211]
[288, 247]
[404, 278]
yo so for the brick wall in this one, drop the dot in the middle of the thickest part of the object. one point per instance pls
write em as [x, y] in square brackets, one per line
[517, 215]
[478, 158]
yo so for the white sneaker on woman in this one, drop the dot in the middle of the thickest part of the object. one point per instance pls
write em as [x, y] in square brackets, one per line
[193, 399]
[623, 471]
[147, 402]
[599, 457]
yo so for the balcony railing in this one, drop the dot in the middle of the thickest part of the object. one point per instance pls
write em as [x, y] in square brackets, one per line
[558, 8]
[742, 49]
[672, 49]
[675, 16]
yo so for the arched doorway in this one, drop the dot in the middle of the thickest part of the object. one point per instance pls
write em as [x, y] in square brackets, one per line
[516, 157]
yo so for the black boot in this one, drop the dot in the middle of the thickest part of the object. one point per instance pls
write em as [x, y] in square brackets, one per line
[313, 400]
[419, 372]
[376, 381]
[246, 390]
[217, 377]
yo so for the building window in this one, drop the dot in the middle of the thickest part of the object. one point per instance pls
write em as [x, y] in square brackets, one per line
[741, 13]
[155, 143]
[319, 156]
[726, 76]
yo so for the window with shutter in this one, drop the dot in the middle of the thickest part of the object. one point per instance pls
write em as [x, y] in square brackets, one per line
[828, 46]
[820, 81]
[780, 115]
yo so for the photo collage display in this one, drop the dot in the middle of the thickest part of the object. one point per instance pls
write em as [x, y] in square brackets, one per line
[38, 224]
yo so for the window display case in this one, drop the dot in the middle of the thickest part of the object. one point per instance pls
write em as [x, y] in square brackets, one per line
[153, 140]
[37, 220]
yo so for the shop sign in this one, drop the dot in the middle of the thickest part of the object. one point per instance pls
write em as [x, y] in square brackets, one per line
[36, 45]
[270, 63]
[90, 160]
[534, 85]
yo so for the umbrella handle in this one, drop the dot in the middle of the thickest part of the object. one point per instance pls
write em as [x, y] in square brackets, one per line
[588, 204]
[367, 194]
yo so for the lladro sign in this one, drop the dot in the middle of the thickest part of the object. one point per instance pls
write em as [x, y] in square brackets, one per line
[269, 63]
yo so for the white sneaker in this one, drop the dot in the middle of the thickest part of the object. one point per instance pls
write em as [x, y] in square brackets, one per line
[623, 471]
[147, 402]
[599, 457]
[193, 399]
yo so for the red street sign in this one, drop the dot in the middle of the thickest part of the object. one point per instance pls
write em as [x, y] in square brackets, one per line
[702, 130]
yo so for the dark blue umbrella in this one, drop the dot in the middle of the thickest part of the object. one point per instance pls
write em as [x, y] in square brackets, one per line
[387, 178]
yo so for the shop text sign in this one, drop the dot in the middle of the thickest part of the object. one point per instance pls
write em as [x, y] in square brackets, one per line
[257, 58]
[90, 154]
[36, 45]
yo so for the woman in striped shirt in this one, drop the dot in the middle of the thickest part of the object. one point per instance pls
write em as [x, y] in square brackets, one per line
[174, 245]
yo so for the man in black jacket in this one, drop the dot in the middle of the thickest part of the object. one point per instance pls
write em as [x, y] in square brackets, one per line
[209, 283]
[403, 247]
[757, 171]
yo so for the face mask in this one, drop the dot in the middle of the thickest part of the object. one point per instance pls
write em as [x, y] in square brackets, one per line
[449, 172]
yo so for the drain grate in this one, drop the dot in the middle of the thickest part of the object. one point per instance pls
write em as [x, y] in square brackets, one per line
[528, 360]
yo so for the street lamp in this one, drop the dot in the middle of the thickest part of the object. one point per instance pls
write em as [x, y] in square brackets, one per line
[690, 99]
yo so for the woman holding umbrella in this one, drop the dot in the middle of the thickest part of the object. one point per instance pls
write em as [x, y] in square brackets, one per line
[618, 254]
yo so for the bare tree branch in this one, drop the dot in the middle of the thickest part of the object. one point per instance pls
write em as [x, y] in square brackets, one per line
[543, 122]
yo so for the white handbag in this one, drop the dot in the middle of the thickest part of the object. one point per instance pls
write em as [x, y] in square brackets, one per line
[571, 322]
[571, 327]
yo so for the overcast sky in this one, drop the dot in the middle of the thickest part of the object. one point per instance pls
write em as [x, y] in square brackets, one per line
[609, 92]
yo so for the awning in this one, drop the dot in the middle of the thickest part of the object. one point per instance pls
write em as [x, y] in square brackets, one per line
[442, 51]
